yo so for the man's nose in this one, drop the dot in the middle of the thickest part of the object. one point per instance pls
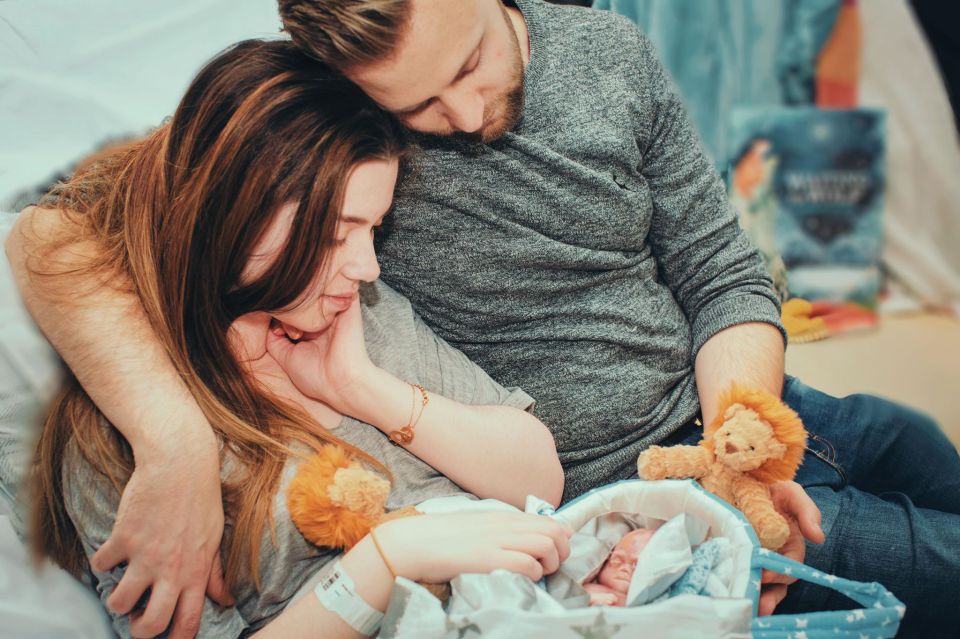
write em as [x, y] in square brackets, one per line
[464, 110]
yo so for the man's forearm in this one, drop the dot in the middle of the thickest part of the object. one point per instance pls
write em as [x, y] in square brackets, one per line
[750, 354]
[103, 335]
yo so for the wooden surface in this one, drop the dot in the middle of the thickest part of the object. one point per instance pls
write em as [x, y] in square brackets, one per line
[913, 359]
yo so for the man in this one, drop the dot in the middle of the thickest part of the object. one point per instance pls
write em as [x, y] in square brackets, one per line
[564, 229]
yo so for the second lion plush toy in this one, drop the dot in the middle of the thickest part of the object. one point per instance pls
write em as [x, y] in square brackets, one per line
[334, 501]
[754, 441]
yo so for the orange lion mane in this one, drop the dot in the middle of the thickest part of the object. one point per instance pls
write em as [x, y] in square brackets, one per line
[786, 424]
[321, 520]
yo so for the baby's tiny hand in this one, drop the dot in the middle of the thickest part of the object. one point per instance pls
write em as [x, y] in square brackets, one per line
[601, 595]
[603, 599]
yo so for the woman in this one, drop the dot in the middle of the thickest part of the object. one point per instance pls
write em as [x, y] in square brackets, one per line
[245, 227]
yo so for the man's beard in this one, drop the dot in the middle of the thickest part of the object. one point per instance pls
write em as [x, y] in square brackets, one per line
[510, 113]
[509, 105]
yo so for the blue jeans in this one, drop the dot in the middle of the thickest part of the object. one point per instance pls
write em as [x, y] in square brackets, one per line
[887, 481]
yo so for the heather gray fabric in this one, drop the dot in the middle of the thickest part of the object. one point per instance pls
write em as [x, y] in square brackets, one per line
[396, 341]
[587, 255]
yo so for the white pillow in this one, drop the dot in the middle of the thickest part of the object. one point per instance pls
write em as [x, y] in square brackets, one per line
[30, 373]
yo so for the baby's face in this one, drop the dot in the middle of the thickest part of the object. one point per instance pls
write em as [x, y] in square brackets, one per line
[618, 570]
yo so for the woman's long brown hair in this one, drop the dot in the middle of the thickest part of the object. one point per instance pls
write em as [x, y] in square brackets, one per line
[178, 214]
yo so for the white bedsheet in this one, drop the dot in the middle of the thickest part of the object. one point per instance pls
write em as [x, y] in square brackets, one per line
[49, 603]
[73, 74]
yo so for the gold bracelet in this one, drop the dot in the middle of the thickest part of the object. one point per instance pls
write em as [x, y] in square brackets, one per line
[383, 555]
[403, 436]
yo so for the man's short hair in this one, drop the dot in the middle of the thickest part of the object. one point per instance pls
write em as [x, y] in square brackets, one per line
[345, 33]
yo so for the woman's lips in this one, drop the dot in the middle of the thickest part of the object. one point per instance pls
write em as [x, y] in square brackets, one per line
[340, 302]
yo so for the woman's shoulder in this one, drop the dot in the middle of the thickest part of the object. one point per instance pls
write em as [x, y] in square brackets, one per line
[390, 330]
[381, 302]
[89, 496]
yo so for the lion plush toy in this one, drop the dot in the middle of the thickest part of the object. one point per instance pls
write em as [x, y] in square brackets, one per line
[335, 501]
[755, 440]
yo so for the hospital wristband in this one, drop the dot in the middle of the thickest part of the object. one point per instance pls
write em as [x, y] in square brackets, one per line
[338, 594]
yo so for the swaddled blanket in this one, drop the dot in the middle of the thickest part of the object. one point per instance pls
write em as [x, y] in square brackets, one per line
[699, 576]
[668, 559]
[504, 604]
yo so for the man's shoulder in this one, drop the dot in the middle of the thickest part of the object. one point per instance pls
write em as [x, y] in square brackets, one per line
[606, 46]
[605, 29]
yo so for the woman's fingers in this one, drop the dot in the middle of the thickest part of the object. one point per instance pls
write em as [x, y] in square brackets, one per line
[278, 346]
[521, 563]
[351, 321]
[292, 332]
[438, 547]
[543, 548]
[558, 532]
[561, 535]
[543, 538]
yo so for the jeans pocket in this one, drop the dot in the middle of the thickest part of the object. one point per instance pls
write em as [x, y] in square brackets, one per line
[826, 452]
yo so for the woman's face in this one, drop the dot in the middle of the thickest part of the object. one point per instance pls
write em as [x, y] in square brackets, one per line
[367, 200]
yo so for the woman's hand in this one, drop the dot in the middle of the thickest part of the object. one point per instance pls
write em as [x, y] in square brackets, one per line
[328, 366]
[168, 530]
[791, 501]
[437, 548]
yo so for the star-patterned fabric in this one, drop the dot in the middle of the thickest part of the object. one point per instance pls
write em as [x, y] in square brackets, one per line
[508, 605]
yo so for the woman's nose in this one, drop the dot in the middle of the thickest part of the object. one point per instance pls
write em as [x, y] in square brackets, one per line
[363, 265]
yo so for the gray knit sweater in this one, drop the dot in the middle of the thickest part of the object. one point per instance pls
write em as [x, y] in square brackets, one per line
[587, 255]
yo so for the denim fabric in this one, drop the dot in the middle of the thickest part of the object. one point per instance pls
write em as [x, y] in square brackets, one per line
[887, 482]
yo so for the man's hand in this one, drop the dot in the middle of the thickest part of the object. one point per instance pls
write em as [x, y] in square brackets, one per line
[791, 501]
[168, 531]
[170, 518]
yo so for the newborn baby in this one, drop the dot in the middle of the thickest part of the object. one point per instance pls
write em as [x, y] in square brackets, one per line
[613, 581]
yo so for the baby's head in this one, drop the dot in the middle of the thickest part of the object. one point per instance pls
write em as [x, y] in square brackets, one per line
[618, 569]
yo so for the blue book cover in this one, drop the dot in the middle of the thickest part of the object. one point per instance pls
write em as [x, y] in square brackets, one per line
[808, 186]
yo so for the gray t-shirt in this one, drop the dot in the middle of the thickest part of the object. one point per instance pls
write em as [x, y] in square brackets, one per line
[397, 341]
[588, 254]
